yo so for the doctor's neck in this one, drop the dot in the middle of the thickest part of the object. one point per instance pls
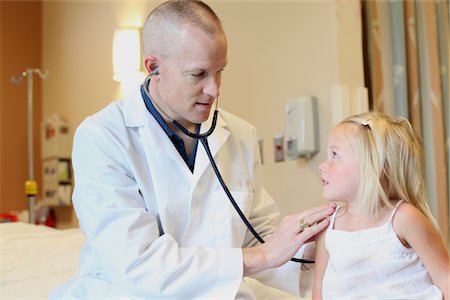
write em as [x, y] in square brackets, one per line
[167, 119]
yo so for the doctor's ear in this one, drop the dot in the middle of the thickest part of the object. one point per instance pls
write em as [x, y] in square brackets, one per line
[155, 71]
[152, 65]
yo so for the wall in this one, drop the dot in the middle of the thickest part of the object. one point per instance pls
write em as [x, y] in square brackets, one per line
[20, 48]
[277, 51]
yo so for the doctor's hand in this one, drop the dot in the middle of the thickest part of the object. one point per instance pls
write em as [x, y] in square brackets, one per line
[290, 235]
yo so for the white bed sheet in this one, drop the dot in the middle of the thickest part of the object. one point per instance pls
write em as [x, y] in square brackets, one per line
[34, 259]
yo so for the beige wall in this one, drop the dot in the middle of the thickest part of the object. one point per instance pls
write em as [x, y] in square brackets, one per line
[278, 50]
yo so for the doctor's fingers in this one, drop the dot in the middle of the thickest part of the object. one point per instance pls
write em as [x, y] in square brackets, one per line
[309, 234]
[314, 215]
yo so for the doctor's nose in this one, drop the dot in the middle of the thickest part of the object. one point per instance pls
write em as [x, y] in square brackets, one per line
[212, 88]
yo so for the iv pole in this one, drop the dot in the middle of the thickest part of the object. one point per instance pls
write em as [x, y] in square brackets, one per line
[30, 184]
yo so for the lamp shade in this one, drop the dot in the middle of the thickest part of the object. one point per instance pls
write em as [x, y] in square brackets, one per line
[126, 53]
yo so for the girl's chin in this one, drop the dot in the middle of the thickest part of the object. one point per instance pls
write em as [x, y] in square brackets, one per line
[330, 199]
[327, 197]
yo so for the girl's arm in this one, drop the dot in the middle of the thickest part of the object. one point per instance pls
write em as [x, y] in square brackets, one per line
[321, 259]
[415, 230]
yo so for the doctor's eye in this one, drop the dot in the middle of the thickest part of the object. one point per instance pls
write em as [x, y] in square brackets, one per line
[198, 74]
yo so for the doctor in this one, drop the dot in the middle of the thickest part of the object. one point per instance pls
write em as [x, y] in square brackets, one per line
[156, 220]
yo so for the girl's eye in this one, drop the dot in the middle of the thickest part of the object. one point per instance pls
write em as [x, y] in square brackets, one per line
[333, 154]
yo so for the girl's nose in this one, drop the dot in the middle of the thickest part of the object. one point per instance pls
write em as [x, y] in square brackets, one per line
[322, 167]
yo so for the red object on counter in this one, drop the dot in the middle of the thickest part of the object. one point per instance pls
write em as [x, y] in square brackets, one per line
[5, 218]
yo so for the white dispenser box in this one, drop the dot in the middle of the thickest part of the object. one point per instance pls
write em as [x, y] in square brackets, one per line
[302, 133]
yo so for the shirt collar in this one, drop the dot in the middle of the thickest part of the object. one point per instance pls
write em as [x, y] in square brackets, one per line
[152, 109]
[176, 140]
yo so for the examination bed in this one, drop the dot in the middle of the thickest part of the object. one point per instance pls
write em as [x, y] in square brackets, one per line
[36, 258]
[33, 259]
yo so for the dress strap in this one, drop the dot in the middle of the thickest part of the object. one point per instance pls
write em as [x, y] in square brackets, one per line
[395, 209]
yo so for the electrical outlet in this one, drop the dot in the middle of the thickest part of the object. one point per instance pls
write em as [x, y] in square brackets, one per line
[278, 143]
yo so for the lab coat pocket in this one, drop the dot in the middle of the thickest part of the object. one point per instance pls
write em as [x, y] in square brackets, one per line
[228, 218]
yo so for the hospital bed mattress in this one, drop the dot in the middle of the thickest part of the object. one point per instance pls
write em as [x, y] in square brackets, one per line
[36, 258]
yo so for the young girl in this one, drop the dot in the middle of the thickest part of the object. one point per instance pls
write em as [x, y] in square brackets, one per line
[383, 242]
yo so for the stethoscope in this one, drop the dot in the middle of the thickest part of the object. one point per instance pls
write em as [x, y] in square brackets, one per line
[203, 137]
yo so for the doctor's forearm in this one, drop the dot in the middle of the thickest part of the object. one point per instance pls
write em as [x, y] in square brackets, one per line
[254, 260]
[263, 256]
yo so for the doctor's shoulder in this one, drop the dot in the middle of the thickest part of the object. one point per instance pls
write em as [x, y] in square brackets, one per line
[110, 115]
[108, 119]
[237, 125]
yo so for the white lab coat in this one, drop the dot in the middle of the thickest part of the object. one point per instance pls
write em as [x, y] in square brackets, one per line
[153, 228]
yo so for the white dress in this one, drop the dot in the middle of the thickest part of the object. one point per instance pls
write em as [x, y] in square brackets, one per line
[374, 264]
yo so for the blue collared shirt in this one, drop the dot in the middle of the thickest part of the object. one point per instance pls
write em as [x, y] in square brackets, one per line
[176, 140]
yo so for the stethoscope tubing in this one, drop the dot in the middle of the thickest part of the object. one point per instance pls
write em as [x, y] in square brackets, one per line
[200, 136]
[236, 206]
[203, 139]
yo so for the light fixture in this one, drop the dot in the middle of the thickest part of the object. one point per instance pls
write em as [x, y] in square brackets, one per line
[127, 55]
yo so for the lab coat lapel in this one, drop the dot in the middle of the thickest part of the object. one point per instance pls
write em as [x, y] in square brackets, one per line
[170, 177]
[155, 140]
[151, 134]
[215, 142]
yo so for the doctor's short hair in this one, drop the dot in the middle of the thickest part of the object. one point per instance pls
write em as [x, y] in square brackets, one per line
[165, 22]
[391, 162]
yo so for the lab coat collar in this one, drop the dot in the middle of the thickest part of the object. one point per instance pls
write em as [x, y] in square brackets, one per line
[135, 112]
[136, 115]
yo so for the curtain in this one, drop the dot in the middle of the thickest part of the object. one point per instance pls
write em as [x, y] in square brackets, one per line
[408, 61]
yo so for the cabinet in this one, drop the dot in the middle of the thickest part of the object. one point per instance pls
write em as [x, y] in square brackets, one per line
[56, 162]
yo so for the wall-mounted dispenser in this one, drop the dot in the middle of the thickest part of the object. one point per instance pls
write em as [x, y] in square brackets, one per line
[302, 132]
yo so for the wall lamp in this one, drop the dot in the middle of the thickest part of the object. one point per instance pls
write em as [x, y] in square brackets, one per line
[127, 58]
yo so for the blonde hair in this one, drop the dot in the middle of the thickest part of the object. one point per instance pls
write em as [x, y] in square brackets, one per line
[391, 162]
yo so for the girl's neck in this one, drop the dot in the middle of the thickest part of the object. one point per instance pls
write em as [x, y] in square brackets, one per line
[354, 208]
[352, 219]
